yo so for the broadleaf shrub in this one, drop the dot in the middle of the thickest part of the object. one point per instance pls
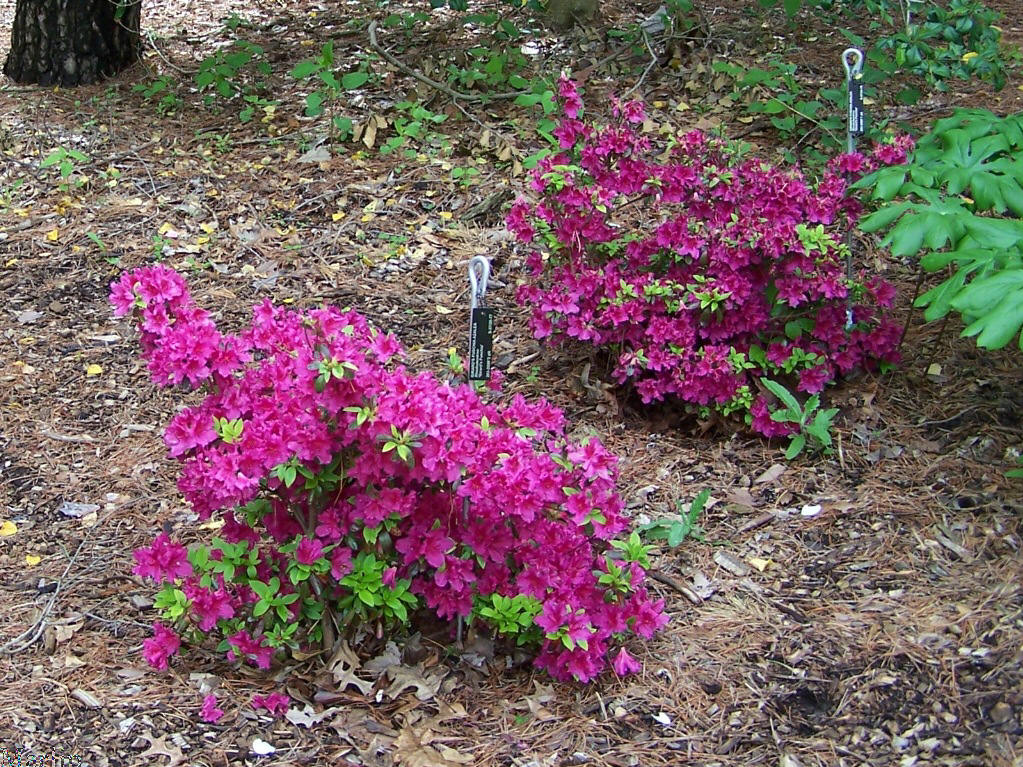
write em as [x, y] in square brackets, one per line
[957, 205]
[699, 270]
[354, 491]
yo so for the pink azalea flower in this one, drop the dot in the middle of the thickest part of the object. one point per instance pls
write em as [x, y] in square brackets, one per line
[624, 664]
[276, 703]
[160, 647]
[163, 561]
[340, 562]
[309, 551]
[209, 712]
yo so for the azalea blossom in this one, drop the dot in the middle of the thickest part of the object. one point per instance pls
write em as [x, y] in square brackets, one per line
[624, 664]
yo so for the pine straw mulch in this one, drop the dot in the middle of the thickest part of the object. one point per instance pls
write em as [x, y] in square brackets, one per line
[860, 609]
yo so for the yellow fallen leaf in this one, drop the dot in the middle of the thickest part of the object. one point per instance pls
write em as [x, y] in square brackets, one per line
[760, 564]
[7, 529]
[934, 369]
[443, 310]
[10, 262]
[32, 560]
[445, 214]
[658, 105]
[93, 370]
[202, 239]
[208, 228]
[337, 216]
[969, 55]
[52, 235]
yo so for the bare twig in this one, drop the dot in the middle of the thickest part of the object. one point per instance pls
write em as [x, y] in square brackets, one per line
[649, 66]
[27, 637]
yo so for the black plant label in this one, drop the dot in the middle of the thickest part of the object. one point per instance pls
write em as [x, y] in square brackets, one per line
[857, 114]
[481, 344]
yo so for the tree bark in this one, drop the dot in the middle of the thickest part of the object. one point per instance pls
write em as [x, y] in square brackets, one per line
[72, 42]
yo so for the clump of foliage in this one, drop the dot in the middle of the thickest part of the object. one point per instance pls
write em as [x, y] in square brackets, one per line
[957, 204]
[699, 270]
[355, 493]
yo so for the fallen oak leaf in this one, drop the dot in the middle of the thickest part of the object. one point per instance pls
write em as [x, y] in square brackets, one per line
[412, 749]
[159, 747]
[403, 677]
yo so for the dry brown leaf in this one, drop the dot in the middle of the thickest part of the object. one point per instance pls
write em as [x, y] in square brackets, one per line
[159, 747]
[369, 134]
[403, 677]
[413, 749]
[343, 665]
[771, 474]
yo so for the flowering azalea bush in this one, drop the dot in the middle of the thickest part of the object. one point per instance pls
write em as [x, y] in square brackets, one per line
[700, 270]
[354, 492]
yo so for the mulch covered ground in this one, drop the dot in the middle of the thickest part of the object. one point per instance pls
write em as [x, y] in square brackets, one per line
[861, 608]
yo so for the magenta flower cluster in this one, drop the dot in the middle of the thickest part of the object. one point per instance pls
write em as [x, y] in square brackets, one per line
[700, 270]
[457, 498]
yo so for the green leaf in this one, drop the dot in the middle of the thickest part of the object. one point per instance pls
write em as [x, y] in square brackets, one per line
[938, 299]
[53, 157]
[995, 232]
[987, 292]
[906, 238]
[795, 447]
[999, 325]
[882, 218]
[782, 394]
[304, 69]
[354, 80]
[314, 104]
[889, 182]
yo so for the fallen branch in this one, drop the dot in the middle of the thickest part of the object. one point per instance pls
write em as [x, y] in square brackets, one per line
[667, 580]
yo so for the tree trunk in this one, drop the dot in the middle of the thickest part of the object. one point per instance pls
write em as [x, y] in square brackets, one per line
[72, 42]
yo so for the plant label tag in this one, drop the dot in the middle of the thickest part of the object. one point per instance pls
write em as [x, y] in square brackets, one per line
[481, 344]
[857, 114]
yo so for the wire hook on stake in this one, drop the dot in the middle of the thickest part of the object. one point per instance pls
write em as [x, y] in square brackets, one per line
[478, 282]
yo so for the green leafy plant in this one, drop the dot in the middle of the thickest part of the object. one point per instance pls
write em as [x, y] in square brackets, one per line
[96, 240]
[772, 90]
[674, 531]
[814, 425]
[413, 123]
[238, 71]
[512, 616]
[161, 91]
[956, 39]
[957, 205]
[64, 160]
[1016, 473]
[330, 85]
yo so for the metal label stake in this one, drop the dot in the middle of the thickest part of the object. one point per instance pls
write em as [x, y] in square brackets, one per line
[481, 321]
[856, 125]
